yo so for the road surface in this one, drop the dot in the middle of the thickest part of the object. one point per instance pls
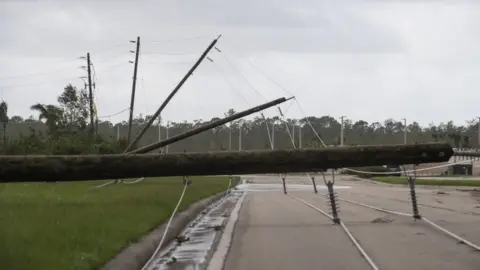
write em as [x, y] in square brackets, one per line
[275, 231]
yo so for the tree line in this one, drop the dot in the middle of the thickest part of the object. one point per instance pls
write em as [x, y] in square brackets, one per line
[64, 128]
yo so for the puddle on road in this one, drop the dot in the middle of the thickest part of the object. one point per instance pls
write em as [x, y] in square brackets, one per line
[203, 233]
[205, 230]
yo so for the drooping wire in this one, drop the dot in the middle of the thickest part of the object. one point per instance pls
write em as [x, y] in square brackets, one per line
[230, 84]
[241, 75]
[114, 114]
[236, 91]
[310, 124]
[169, 53]
[177, 39]
[284, 89]
[262, 72]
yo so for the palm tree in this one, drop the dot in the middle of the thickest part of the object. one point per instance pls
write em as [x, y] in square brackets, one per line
[4, 121]
[50, 113]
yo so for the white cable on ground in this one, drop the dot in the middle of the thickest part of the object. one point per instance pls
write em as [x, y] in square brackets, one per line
[166, 229]
[310, 124]
[463, 240]
[229, 185]
[155, 253]
[452, 234]
[374, 208]
[411, 171]
[359, 247]
[349, 234]
[312, 206]
[105, 184]
[134, 181]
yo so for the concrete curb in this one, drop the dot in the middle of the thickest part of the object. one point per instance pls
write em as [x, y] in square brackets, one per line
[137, 254]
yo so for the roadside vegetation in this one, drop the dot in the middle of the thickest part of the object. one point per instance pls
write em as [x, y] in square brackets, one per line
[70, 226]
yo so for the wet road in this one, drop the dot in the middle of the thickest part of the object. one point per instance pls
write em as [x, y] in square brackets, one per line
[275, 231]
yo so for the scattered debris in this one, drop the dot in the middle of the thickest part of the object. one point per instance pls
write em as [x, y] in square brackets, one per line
[386, 219]
[217, 227]
[180, 239]
[438, 201]
[172, 261]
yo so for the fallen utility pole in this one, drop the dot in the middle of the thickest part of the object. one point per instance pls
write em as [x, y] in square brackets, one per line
[134, 85]
[167, 100]
[208, 126]
[466, 154]
[97, 167]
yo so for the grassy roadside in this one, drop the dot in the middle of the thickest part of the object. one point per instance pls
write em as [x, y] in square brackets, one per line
[70, 226]
[428, 182]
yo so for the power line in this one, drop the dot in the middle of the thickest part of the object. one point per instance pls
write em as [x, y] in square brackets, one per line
[169, 53]
[232, 87]
[112, 67]
[241, 75]
[263, 73]
[29, 85]
[61, 69]
[36, 74]
[110, 48]
[178, 39]
[114, 114]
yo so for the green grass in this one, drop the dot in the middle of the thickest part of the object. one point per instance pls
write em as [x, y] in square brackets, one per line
[428, 182]
[70, 226]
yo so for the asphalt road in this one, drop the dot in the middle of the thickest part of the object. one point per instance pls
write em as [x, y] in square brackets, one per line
[275, 231]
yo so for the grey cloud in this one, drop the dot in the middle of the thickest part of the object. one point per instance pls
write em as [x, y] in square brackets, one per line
[364, 55]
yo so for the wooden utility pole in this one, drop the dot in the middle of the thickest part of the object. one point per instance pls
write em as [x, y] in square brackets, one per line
[159, 128]
[206, 127]
[293, 135]
[90, 93]
[239, 137]
[167, 136]
[134, 85]
[273, 134]
[300, 136]
[167, 100]
[31, 168]
[341, 130]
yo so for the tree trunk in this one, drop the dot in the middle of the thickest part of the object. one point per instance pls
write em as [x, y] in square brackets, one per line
[96, 167]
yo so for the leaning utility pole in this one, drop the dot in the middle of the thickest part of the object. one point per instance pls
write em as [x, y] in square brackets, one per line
[210, 125]
[167, 100]
[90, 93]
[134, 85]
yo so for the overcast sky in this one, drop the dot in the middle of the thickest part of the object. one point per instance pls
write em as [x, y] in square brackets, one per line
[369, 60]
